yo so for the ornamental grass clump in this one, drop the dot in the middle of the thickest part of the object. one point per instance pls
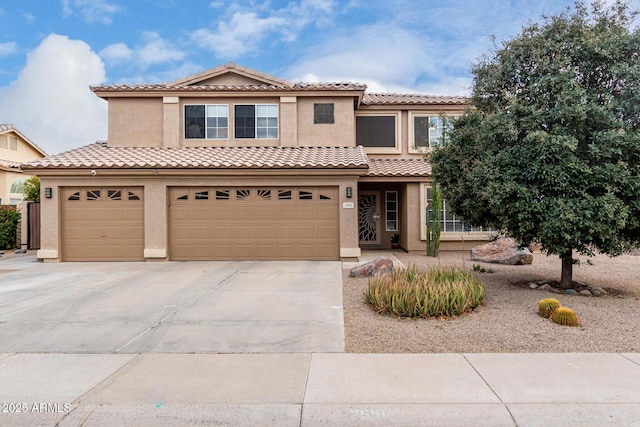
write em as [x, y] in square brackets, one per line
[565, 316]
[547, 306]
[441, 291]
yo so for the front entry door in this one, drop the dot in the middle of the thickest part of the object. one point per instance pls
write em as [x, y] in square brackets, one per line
[369, 217]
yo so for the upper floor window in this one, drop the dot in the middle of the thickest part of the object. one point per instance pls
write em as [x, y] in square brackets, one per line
[206, 121]
[428, 131]
[378, 131]
[322, 113]
[256, 121]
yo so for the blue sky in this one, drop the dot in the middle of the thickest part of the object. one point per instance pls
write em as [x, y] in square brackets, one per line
[52, 50]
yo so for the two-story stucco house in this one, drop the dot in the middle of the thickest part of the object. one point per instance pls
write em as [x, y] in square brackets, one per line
[15, 148]
[232, 163]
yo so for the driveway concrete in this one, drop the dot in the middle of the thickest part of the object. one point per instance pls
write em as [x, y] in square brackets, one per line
[183, 307]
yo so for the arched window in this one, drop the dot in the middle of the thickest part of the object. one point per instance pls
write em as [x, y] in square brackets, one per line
[17, 187]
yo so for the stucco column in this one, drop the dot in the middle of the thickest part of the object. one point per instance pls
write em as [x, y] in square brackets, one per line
[155, 221]
[349, 247]
[49, 223]
[171, 121]
[288, 121]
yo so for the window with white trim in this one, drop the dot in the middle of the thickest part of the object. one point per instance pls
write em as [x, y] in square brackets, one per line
[257, 121]
[206, 121]
[391, 207]
[449, 223]
[428, 131]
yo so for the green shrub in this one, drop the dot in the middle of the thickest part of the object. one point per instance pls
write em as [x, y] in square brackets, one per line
[9, 218]
[441, 291]
[32, 189]
[565, 316]
[546, 307]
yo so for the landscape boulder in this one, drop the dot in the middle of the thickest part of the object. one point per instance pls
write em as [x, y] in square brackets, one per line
[502, 251]
[379, 265]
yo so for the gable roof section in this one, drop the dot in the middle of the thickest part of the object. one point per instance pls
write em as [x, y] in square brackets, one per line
[99, 155]
[411, 99]
[231, 68]
[7, 128]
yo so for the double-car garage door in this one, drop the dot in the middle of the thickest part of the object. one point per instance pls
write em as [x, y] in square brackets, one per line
[204, 223]
[262, 223]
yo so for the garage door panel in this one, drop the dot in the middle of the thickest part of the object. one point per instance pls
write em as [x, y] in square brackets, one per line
[257, 223]
[102, 224]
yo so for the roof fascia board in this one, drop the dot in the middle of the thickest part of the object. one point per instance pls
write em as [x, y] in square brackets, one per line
[159, 172]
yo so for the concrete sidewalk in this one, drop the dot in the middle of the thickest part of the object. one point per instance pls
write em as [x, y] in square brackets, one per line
[320, 389]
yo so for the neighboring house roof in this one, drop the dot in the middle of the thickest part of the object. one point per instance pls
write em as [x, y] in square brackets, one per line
[6, 128]
[408, 99]
[99, 155]
[399, 167]
[8, 165]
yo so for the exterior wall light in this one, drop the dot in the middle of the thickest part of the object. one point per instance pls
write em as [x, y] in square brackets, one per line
[48, 192]
[349, 192]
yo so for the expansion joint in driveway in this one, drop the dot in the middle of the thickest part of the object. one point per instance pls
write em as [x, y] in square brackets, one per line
[177, 310]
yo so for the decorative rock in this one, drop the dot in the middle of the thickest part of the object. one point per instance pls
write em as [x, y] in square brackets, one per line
[597, 291]
[373, 268]
[570, 292]
[502, 251]
[21, 251]
[533, 285]
[585, 293]
[545, 287]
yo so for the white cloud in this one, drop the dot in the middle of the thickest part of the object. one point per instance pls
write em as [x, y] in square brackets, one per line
[239, 36]
[244, 30]
[50, 101]
[154, 50]
[116, 53]
[157, 50]
[101, 11]
[8, 48]
[387, 59]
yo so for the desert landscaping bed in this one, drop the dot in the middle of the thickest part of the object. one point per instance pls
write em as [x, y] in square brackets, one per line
[507, 321]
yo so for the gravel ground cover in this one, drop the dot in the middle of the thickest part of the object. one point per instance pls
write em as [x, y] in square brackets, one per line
[507, 321]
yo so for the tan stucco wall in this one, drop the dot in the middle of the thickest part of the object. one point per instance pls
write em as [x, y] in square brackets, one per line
[156, 206]
[136, 122]
[340, 133]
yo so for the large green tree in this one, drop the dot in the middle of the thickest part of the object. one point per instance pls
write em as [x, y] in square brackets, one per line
[550, 150]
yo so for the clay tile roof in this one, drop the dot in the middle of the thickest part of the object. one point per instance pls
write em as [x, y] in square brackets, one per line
[338, 86]
[6, 127]
[330, 86]
[399, 167]
[99, 155]
[400, 99]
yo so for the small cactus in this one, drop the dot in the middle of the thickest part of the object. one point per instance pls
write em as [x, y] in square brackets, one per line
[565, 316]
[546, 307]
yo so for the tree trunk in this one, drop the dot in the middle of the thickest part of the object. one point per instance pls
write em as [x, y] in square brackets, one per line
[567, 270]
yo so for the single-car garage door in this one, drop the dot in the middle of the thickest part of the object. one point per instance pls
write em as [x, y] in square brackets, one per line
[102, 224]
[261, 223]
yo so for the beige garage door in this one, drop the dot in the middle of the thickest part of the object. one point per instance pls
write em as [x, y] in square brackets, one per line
[102, 224]
[261, 223]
